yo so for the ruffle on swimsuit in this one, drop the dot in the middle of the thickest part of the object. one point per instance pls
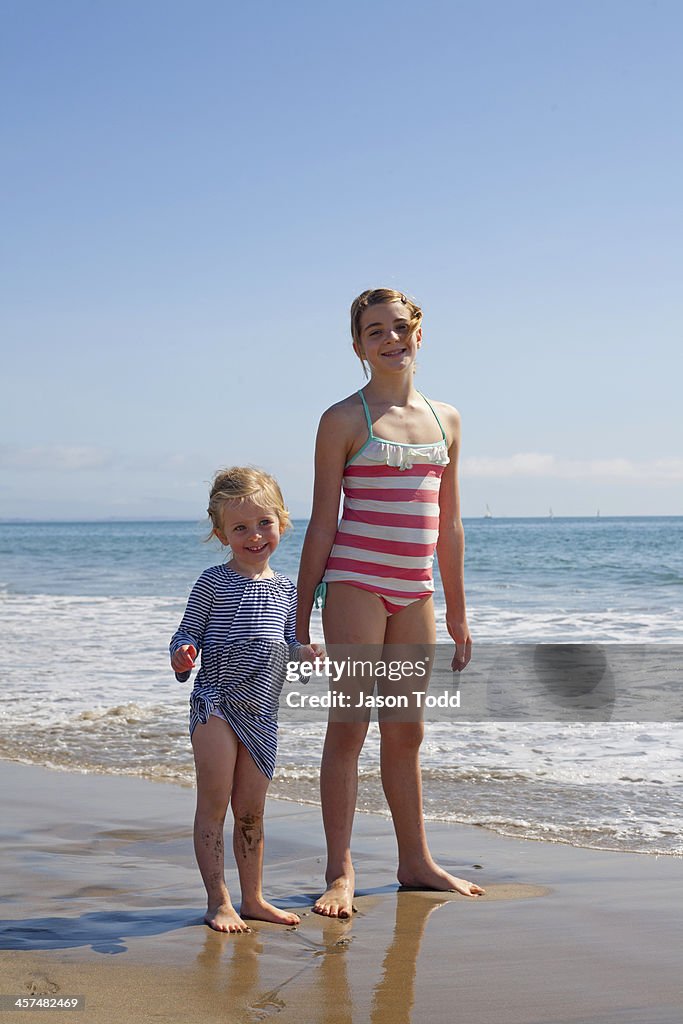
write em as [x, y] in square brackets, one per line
[404, 456]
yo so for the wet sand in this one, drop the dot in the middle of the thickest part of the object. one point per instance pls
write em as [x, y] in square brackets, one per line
[101, 898]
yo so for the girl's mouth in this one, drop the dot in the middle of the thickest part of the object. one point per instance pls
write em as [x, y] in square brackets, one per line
[395, 352]
[256, 550]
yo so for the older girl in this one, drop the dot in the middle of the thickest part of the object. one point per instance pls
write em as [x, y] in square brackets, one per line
[395, 454]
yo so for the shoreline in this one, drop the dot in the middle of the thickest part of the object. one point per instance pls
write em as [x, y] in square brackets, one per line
[102, 898]
[306, 803]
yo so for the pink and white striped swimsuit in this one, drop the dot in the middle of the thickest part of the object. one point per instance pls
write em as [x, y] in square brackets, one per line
[390, 523]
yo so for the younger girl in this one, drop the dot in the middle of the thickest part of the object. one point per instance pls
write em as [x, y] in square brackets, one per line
[395, 454]
[241, 615]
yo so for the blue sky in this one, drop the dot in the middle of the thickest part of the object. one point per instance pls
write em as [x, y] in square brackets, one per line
[194, 193]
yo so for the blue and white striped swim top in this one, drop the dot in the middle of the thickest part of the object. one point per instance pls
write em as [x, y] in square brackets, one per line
[245, 631]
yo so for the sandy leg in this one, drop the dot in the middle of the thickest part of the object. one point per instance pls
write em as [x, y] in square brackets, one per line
[215, 752]
[248, 802]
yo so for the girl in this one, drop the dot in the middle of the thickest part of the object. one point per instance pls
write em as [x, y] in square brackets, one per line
[395, 454]
[241, 615]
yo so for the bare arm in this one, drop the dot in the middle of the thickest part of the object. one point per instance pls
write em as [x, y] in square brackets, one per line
[450, 548]
[189, 636]
[331, 450]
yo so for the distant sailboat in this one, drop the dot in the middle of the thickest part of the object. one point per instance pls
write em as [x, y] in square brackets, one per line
[488, 514]
[597, 514]
[550, 514]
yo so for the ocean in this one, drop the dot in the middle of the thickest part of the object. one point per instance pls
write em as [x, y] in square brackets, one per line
[88, 609]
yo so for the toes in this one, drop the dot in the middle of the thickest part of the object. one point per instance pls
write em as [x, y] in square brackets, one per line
[228, 927]
[325, 910]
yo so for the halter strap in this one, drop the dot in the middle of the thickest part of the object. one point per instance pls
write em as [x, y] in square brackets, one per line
[367, 415]
[369, 421]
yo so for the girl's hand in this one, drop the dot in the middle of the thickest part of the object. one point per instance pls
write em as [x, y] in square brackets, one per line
[460, 632]
[311, 652]
[184, 658]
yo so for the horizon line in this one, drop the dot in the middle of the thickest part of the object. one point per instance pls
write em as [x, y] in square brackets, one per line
[19, 520]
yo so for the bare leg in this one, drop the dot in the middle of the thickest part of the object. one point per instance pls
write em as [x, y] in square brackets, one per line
[402, 782]
[248, 800]
[338, 793]
[215, 754]
[352, 616]
[400, 766]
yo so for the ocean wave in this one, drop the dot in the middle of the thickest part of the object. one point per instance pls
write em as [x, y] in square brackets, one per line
[125, 742]
[88, 688]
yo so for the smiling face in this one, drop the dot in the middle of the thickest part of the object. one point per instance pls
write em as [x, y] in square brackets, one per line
[252, 531]
[387, 339]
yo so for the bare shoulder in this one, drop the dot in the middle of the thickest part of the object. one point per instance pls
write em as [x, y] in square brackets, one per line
[343, 416]
[450, 419]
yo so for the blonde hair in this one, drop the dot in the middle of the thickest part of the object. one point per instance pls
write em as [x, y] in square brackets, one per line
[245, 483]
[378, 297]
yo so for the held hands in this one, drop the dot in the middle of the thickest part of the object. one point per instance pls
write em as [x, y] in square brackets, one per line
[311, 652]
[460, 632]
[183, 661]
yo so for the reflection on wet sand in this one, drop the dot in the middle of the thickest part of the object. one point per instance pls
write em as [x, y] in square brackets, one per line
[394, 995]
[320, 966]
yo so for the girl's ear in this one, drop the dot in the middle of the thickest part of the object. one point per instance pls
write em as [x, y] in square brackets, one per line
[221, 536]
[418, 336]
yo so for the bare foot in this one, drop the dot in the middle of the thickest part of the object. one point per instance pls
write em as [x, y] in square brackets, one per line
[259, 910]
[431, 876]
[337, 900]
[224, 918]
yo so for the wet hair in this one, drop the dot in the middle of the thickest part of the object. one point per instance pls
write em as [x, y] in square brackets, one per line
[378, 297]
[245, 483]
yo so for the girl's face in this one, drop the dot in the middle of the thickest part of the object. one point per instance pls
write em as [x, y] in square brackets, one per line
[252, 532]
[386, 341]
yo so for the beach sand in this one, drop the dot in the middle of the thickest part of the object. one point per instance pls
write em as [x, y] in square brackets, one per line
[101, 898]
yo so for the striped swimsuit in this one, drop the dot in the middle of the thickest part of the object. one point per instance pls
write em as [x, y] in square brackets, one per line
[390, 523]
[245, 630]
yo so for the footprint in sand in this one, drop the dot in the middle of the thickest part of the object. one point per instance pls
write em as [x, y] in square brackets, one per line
[40, 985]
